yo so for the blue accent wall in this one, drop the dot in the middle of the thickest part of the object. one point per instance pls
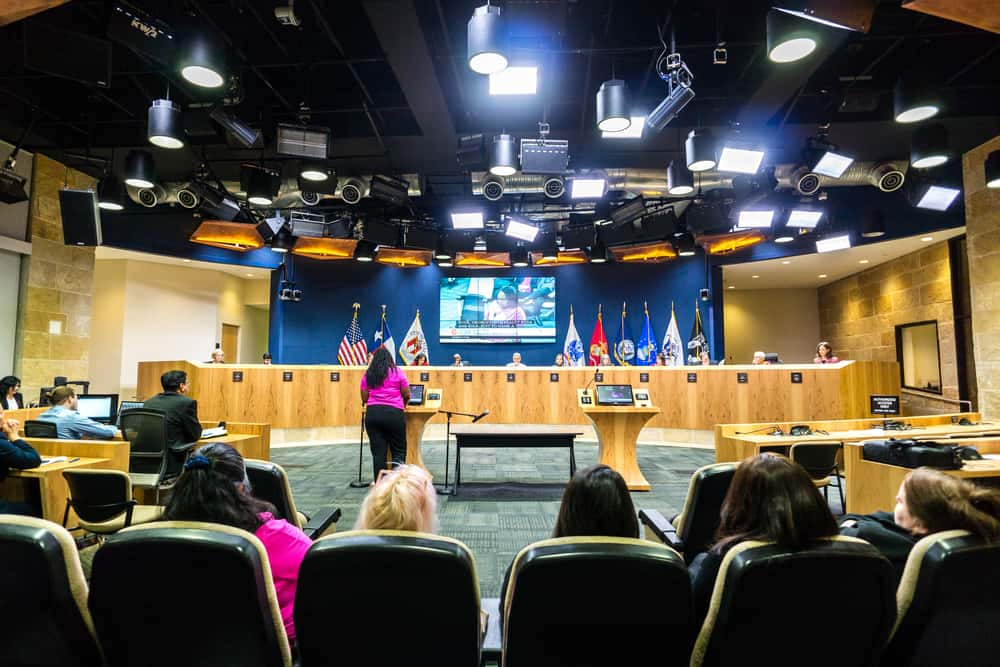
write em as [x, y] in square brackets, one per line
[310, 331]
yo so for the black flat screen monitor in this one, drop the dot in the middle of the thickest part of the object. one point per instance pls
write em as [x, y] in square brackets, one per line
[99, 407]
[614, 394]
[772, 358]
[416, 394]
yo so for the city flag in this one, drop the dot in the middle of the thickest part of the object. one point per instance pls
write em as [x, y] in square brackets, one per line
[383, 336]
[645, 351]
[573, 347]
[353, 350]
[414, 342]
[598, 341]
[698, 343]
[624, 344]
[673, 348]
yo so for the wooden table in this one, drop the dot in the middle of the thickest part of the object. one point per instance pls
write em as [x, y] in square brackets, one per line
[52, 485]
[618, 430]
[513, 435]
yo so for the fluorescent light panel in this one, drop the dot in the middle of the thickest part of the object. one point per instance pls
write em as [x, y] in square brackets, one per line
[804, 218]
[740, 160]
[521, 230]
[473, 220]
[587, 188]
[834, 243]
[514, 81]
[832, 164]
[633, 131]
[938, 198]
[755, 219]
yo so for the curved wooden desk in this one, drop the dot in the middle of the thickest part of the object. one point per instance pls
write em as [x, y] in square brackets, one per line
[617, 433]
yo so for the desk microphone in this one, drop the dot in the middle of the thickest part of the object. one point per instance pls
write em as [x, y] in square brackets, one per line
[480, 416]
[592, 380]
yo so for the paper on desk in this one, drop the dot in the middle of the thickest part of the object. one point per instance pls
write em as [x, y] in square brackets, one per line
[53, 459]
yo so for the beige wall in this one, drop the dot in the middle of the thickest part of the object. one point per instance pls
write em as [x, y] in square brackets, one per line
[785, 321]
[982, 220]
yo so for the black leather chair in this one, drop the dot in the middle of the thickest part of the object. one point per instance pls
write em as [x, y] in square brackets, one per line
[269, 482]
[693, 530]
[771, 606]
[578, 601]
[152, 463]
[102, 500]
[43, 597]
[948, 603]
[186, 593]
[820, 460]
[399, 598]
[39, 428]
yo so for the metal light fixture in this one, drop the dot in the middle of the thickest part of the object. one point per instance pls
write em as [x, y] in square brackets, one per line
[913, 100]
[874, 225]
[261, 184]
[680, 181]
[140, 169]
[598, 252]
[992, 169]
[202, 62]
[699, 150]
[487, 40]
[788, 38]
[519, 256]
[110, 194]
[684, 244]
[365, 251]
[503, 155]
[283, 241]
[314, 171]
[613, 106]
[929, 146]
[165, 127]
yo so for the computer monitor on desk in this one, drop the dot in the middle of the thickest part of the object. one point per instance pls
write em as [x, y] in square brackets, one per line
[772, 358]
[99, 407]
[615, 394]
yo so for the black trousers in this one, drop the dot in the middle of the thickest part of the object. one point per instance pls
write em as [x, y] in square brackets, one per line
[387, 432]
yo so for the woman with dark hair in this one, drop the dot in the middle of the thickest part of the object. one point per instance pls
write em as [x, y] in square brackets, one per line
[824, 354]
[10, 398]
[420, 359]
[771, 499]
[214, 488]
[929, 501]
[385, 391]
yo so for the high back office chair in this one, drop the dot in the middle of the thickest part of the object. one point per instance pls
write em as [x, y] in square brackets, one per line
[766, 608]
[820, 461]
[152, 464]
[186, 593]
[102, 500]
[576, 601]
[60, 380]
[948, 603]
[693, 530]
[421, 588]
[39, 428]
[43, 604]
[269, 482]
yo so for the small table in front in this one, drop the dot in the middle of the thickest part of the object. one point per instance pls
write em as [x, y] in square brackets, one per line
[512, 435]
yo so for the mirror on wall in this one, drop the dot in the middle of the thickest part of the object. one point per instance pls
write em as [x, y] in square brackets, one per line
[917, 351]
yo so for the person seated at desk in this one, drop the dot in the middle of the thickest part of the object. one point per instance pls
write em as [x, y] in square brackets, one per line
[218, 356]
[181, 413]
[515, 361]
[759, 359]
[705, 359]
[771, 499]
[267, 358]
[559, 360]
[456, 360]
[420, 359]
[214, 487]
[824, 354]
[10, 397]
[928, 501]
[16, 453]
[70, 424]
[605, 360]
[661, 359]
[403, 498]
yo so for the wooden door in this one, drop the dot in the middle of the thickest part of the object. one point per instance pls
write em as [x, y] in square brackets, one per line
[231, 342]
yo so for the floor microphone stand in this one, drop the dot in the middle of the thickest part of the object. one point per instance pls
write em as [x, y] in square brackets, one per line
[357, 483]
[446, 490]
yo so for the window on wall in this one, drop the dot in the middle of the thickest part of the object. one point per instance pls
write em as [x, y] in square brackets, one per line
[917, 352]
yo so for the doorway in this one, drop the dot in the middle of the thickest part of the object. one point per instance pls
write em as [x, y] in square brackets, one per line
[231, 342]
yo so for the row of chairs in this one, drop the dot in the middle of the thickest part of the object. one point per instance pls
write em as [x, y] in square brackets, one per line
[176, 593]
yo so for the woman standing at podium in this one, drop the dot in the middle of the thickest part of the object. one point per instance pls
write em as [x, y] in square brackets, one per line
[386, 392]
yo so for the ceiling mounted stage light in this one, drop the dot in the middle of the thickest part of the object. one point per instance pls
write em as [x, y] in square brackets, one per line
[165, 127]
[599, 253]
[588, 187]
[303, 141]
[519, 256]
[202, 62]
[929, 146]
[514, 81]
[314, 171]
[680, 181]
[110, 194]
[613, 106]
[365, 251]
[874, 225]
[261, 184]
[992, 169]
[679, 93]
[503, 155]
[446, 262]
[936, 197]
[699, 150]
[684, 244]
[243, 133]
[140, 169]
[804, 218]
[759, 219]
[283, 241]
[740, 158]
[440, 252]
[487, 40]
[829, 244]
[789, 38]
[467, 220]
[913, 100]
[521, 230]
[633, 131]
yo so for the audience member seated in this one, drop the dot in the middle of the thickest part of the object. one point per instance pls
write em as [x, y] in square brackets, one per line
[770, 499]
[214, 487]
[515, 361]
[70, 424]
[403, 498]
[420, 359]
[759, 359]
[661, 359]
[10, 397]
[824, 354]
[267, 358]
[705, 359]
[456, 360]
[559, 360]
[15, 453]
[928, 501]
[181, 412]
[218, 356]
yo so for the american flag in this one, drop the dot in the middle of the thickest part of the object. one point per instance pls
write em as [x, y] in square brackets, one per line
[353, 349]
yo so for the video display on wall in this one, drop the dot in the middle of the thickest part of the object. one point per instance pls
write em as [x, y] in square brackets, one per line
[498, 310]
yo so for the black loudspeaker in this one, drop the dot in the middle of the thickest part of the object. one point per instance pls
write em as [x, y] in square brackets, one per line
[618, 234]
[81, 219]
[578, 237]
[418, 237]
[659, 226]
[458, 241]
[381, 232]
[46, 48]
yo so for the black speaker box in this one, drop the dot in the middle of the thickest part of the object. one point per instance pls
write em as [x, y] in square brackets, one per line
[71, 55]
[458, 241]
[618, 234]
[418, 237]
[81, 219]
[578, 237]
[659, 226]
[381, 232]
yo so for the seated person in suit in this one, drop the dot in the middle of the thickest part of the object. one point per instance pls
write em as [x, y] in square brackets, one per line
[403, 498]
[214, 487]
[181, 420]
[928, 501]
[10, 397]
[218, 356]
[771, 499]
[70, 424]
[15, 453]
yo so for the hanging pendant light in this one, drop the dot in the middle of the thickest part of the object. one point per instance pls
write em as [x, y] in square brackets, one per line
[992, 168]
[110, 194]
[503, 155]
[929, 146]
[913, 100]
[789, 38]
[487, 40]
[202, 62]
[140, 169]
[164, 125]
[680, 180]
[613, 106]
[699, 150]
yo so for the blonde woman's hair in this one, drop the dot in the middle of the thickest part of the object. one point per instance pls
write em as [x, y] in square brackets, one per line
[941, 502]
[402, 500]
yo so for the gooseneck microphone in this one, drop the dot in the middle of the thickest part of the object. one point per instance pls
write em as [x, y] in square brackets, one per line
[480, 416]
[592, 380]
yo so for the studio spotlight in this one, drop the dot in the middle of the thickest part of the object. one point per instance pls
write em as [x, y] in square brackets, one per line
[467, 220]
[165, 128]
[487, 40]
[804, 218]
[874, 225]
[740, 158]
[365, 251]
[283, 241]
[202, 62]
[521, 230]
[936, 197]
[929, 146]
[243, 133]
[261, 184]
[992, 169]
[679, 93]
[613, 106]
[684, 244]
[519, 256]
[913, 100]
[633, 131]
[788, 38]
[503, 155]
[588, 187]
[110, 194]
[140, 169]
[314, 171]
[680, 181]
[699, 150]
[599, 253]
[440, 252]
[446, 261]
[831, 243]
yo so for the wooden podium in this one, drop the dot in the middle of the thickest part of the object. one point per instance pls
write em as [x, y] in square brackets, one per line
[416, 417]
[618, 430]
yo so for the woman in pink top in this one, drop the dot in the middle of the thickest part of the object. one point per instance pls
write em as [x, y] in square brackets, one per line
[386, 392]
[214, 487]
[824, 354]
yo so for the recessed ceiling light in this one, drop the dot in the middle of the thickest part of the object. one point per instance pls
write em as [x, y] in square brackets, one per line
[787, 261]
[862, 261]
[732, 287]
[514, 81]
[755, 276]
[822, 275]
[925, 239]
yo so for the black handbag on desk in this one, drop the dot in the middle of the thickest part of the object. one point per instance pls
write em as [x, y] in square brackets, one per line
[910, 453]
